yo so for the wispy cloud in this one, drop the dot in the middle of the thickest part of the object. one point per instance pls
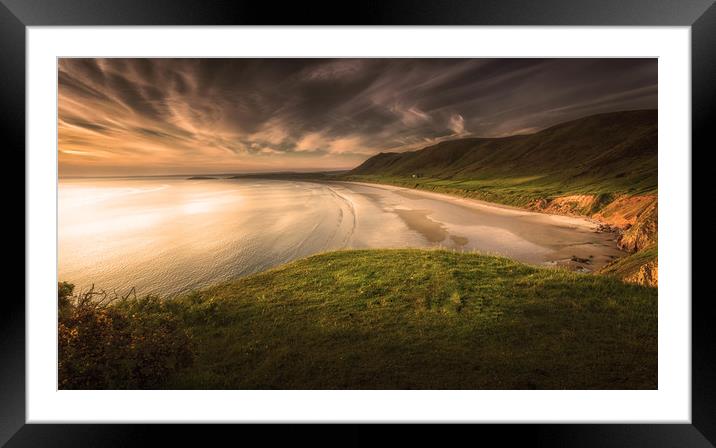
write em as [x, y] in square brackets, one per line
[139, 116]
[457, 124]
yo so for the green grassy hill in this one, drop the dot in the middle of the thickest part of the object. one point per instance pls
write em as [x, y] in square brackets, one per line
[385, 319]
[605, 154]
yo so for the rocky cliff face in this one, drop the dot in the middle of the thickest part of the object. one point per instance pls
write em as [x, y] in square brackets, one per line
[578, 205]
[647, 274]
[635, 218]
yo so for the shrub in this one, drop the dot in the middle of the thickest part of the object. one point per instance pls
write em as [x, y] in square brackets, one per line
[117, 342]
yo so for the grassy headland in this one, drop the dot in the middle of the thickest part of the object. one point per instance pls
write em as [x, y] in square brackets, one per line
[419, 319]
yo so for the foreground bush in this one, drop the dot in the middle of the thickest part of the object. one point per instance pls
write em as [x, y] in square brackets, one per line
[117, 342]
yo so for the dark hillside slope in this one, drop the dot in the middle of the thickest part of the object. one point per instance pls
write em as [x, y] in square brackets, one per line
[613, 152]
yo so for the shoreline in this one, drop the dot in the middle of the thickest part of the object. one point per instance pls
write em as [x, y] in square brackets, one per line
[463, 200]
[632, 219]
[573, 257]
[483, 203]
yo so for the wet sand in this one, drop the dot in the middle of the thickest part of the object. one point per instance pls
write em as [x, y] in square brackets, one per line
[418, 220]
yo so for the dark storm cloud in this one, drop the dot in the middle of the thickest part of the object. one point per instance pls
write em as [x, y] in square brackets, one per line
[200, 111]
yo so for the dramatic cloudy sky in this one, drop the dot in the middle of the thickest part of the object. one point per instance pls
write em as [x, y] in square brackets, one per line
[184, 116]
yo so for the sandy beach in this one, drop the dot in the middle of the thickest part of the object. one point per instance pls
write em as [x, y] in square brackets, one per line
[463, 223]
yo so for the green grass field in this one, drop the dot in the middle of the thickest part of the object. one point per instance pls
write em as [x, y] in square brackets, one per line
[419, 319]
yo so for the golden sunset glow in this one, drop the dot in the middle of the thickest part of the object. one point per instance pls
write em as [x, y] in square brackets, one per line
[181, 116]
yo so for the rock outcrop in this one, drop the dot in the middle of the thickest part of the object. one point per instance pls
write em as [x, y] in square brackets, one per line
[647, 274]
[635, 218]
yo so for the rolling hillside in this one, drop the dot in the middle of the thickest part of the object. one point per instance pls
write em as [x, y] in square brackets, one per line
[602, 166]
[419, 319]
[615, 152]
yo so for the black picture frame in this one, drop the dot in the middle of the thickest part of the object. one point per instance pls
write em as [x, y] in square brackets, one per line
[16, 15]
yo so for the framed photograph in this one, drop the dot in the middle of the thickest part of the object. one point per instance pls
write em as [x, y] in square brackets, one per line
[421, 213]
